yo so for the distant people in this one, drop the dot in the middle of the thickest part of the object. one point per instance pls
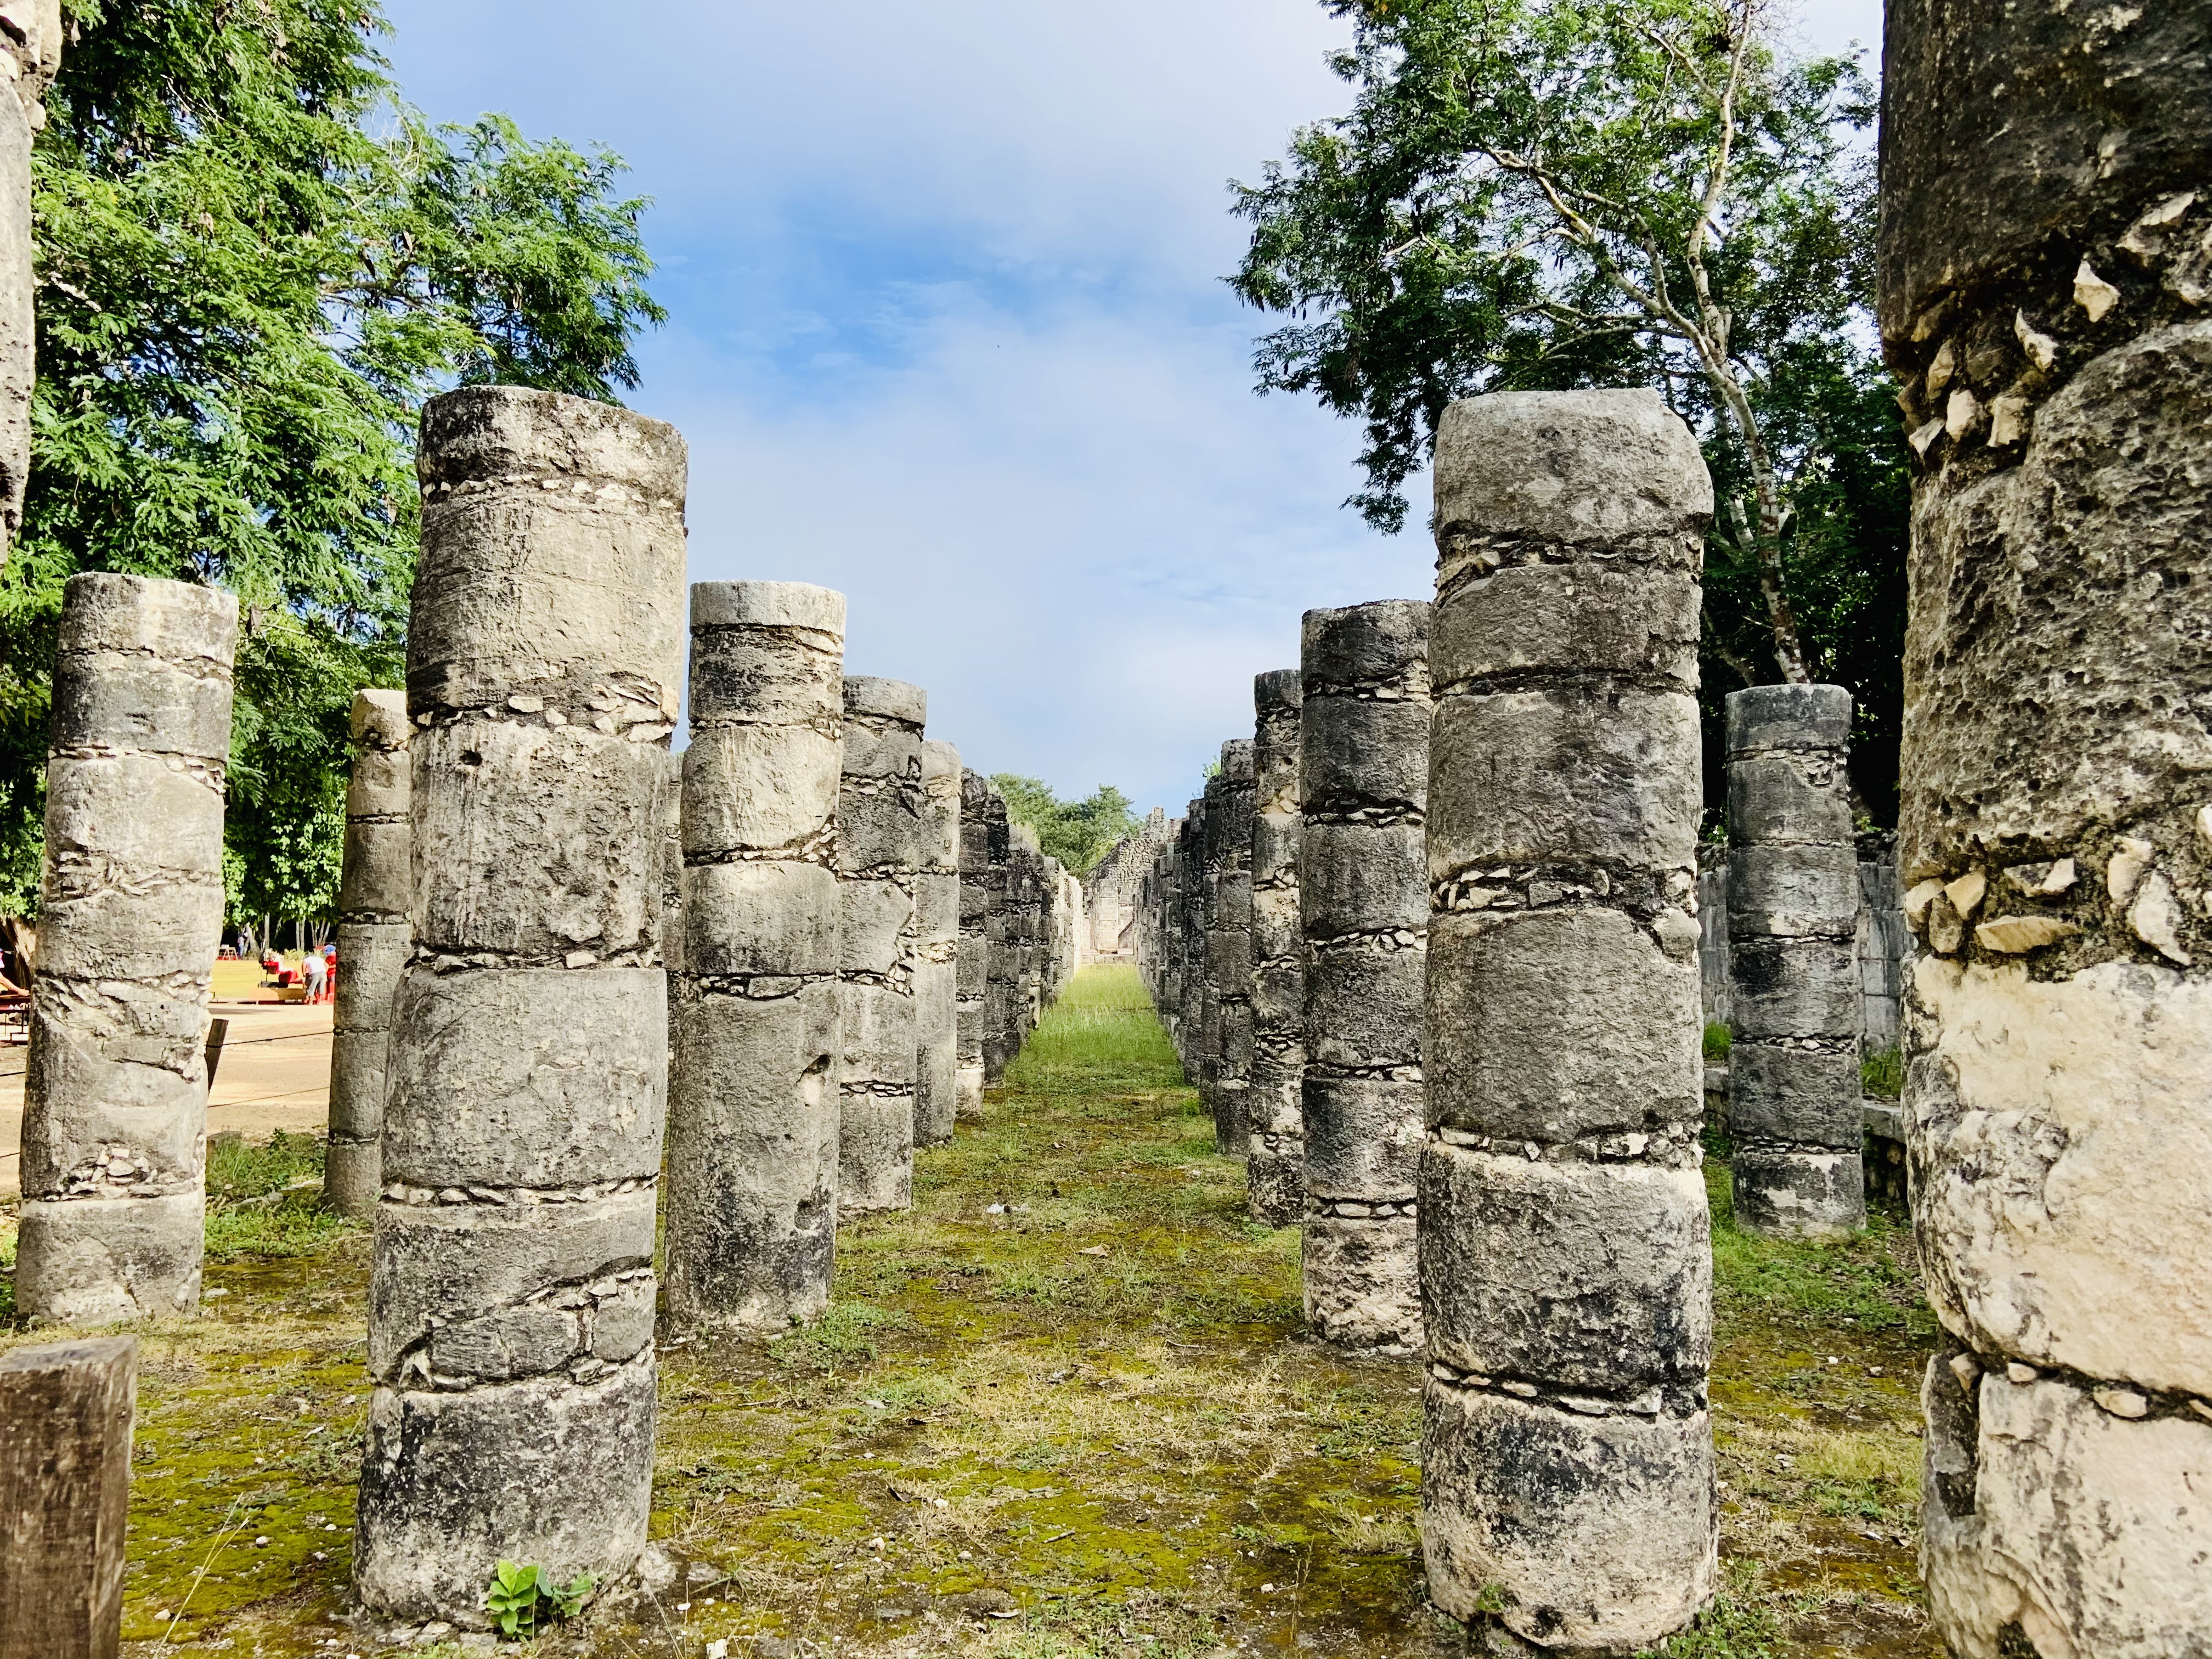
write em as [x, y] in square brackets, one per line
[318, 973]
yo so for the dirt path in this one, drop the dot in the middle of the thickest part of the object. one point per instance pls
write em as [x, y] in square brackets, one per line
[1063, 1407]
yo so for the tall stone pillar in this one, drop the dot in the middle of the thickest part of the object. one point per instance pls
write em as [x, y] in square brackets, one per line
[880, 835]
[1190, 932]
[31, 41]
[1363, 905]
[114, 1137]
[936, 972]
[1275, 1166]
[1206, 917]
[1002, 986]
[1566, 1456]
[1793, 912]
[374, 889]
[1228, 952]
[751, 1217]
[971, 1000]
[1025, 916]
[2046, 263]
[511, 1303]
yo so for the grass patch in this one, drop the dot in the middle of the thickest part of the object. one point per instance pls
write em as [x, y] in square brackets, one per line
[1717, 1043]
[265, 1197]
[1882, 1075]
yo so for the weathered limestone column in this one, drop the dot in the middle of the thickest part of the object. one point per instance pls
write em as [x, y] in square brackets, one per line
[1228, 952]
[2046, 260]
[1363, 907]
[31, 41]
[1025, 917]
[1002, 986]
[1190, 931]
[1793, 913]
[1206, 916]
[374, 889]
[880, 837]
[752, 1219]
[511, 1304]
[971, 1000]
[1275, 1167]
[1567, 1495]
[936, 972]
[130, 912]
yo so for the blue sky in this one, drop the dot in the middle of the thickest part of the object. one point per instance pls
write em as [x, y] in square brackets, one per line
[948, 334]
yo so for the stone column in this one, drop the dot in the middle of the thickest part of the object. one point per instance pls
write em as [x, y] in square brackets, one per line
[1206, 917]
[1002, 986]
[130, 915]
[1275, 1169]
[937, 973]
[880, 835]
[1026, 907]
[1190, 933]
[31, 41]
[374, 941]
[1228, 952]
[511, 1303]
[1793, 911]
[1364, 766]
[751, 1217]
[1567, 1457]
[2047, 261]
[971, 1000]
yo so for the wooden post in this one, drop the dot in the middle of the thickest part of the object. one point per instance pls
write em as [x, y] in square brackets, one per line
[66, 1416]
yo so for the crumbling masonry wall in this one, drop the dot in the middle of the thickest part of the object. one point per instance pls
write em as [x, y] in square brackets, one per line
[114, 1137]
[1364, 904]
[751, 1216]
[511, 1301]
[2046, 265]
[374, 938]
[1567, 1458]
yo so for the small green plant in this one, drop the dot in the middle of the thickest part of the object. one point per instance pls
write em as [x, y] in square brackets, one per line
[1883, 1074]
[522, 1599]
[1717, 1041]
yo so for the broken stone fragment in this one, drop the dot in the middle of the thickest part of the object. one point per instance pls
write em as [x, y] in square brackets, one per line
[1917, 902]
[2042, 350]
[2155, 918]
[2007, 422]
[1961, 413]
[2093, 294]
[1965, 893]
[2132, 856]
[2014, 934]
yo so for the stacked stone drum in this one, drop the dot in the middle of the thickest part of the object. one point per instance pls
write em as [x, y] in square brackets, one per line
[511, 1303]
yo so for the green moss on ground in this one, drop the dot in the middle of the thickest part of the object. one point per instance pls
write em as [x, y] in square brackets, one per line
[1085, 1424]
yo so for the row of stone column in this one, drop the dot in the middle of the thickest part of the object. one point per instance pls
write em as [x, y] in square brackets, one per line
[1427, 945]
[568, 964]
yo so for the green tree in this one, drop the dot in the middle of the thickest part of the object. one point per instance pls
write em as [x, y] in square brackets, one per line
[255, 264]
[1546, 194]
[1078, 833]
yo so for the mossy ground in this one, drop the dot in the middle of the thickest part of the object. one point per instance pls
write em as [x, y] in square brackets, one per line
[1084, 1421]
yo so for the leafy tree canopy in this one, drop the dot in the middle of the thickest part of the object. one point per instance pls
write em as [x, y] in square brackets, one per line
[1549, 194]
[255, 264]
[1078, 833]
